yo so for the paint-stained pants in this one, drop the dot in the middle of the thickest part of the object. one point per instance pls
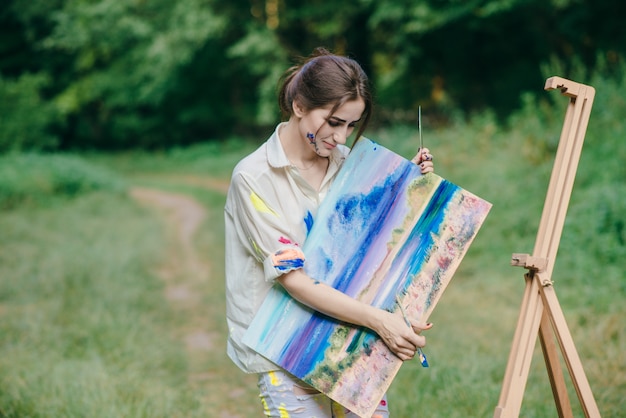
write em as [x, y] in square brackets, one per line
[284, 396]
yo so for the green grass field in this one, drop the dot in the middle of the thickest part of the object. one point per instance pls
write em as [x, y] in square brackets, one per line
[112, 305]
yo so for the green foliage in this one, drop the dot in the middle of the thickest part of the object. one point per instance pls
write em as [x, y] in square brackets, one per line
[129, 52]
[260, 53]
[38, 178]
[594, 238]
[215, 159]
[112, 75]
[25, 117]
[129, 60]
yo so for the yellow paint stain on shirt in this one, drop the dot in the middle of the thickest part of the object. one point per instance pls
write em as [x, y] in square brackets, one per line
[283, 411]
[260, 205]
[266, 408]
[339, 412]
[257, 249]
[274, 379]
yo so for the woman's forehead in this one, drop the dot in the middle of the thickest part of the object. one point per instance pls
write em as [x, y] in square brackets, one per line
[349, 111]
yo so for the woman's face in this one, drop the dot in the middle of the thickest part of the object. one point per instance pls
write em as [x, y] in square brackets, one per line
[322, 131]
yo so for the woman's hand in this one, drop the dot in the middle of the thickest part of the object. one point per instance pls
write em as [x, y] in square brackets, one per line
[424, 159]
[401, 339]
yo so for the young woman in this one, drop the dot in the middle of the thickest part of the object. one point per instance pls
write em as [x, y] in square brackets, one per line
[274, 194]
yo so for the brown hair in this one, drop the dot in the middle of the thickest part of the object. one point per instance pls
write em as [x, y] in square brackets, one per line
[322, 79]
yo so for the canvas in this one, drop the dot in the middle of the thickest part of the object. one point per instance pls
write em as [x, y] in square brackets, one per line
[384, 233]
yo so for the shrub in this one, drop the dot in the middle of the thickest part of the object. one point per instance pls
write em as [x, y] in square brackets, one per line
[25, 118]
[36, 178]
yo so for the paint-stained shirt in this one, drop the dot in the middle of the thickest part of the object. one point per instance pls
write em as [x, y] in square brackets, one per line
[269, 211]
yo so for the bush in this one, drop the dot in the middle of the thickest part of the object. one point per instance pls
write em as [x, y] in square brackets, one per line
[25, 118]
[36, 178]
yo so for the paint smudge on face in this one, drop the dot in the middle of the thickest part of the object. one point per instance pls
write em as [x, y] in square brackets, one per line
[260, 205]
[289, 259]
[308, 221]
[313, 141]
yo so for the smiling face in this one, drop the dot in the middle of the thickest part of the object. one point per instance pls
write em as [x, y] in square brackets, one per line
[322, 131]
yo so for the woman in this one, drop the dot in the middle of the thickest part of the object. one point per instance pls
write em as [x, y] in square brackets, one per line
[273, 197]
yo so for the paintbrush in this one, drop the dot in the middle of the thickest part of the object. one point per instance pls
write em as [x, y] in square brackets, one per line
[420, 353]
[419, 126]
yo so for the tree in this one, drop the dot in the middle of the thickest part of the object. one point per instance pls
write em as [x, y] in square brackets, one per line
[129, 73]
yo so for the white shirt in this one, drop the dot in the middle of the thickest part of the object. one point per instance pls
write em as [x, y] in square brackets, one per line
[269, 211]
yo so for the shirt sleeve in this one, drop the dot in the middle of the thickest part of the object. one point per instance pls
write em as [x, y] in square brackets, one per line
[261, 228]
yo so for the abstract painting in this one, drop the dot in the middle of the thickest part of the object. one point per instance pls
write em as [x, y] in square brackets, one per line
[384, 233]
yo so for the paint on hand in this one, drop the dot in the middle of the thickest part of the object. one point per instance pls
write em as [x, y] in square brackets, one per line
[289, 259]
[260, 205]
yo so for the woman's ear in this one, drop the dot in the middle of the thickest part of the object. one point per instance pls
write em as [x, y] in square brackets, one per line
[298, 110]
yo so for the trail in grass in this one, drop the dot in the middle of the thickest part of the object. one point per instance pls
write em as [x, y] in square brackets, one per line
[186, 274]
[183, 218]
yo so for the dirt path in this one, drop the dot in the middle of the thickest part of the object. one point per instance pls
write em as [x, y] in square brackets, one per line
[183, 217]
[182, 268]
[188, 284]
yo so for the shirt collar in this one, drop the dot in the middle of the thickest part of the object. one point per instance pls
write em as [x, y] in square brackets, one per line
[276, 156]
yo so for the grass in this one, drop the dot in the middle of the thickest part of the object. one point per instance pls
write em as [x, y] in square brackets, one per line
[89, 329]
[37, 179]
[82, 336]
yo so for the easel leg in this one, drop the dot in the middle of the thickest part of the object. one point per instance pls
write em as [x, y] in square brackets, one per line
[520, 356]
[568, 348]
[553, 366]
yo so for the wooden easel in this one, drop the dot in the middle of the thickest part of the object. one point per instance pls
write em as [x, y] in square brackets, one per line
[540, 310]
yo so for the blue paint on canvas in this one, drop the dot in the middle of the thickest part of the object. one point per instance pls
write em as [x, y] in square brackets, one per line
[383, 230]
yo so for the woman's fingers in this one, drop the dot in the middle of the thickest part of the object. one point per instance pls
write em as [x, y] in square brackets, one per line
[403, 340]
[424, 159]
[427, 167]
[419, 326]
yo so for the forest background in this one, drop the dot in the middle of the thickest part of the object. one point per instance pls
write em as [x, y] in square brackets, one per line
[154, 74]
[120, 122]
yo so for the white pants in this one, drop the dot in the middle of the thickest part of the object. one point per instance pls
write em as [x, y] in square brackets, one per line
[285, 396]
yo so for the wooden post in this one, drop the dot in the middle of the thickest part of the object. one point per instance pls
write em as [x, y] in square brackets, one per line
[540, 311]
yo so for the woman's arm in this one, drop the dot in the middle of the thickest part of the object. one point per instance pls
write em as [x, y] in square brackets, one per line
[403, 341]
